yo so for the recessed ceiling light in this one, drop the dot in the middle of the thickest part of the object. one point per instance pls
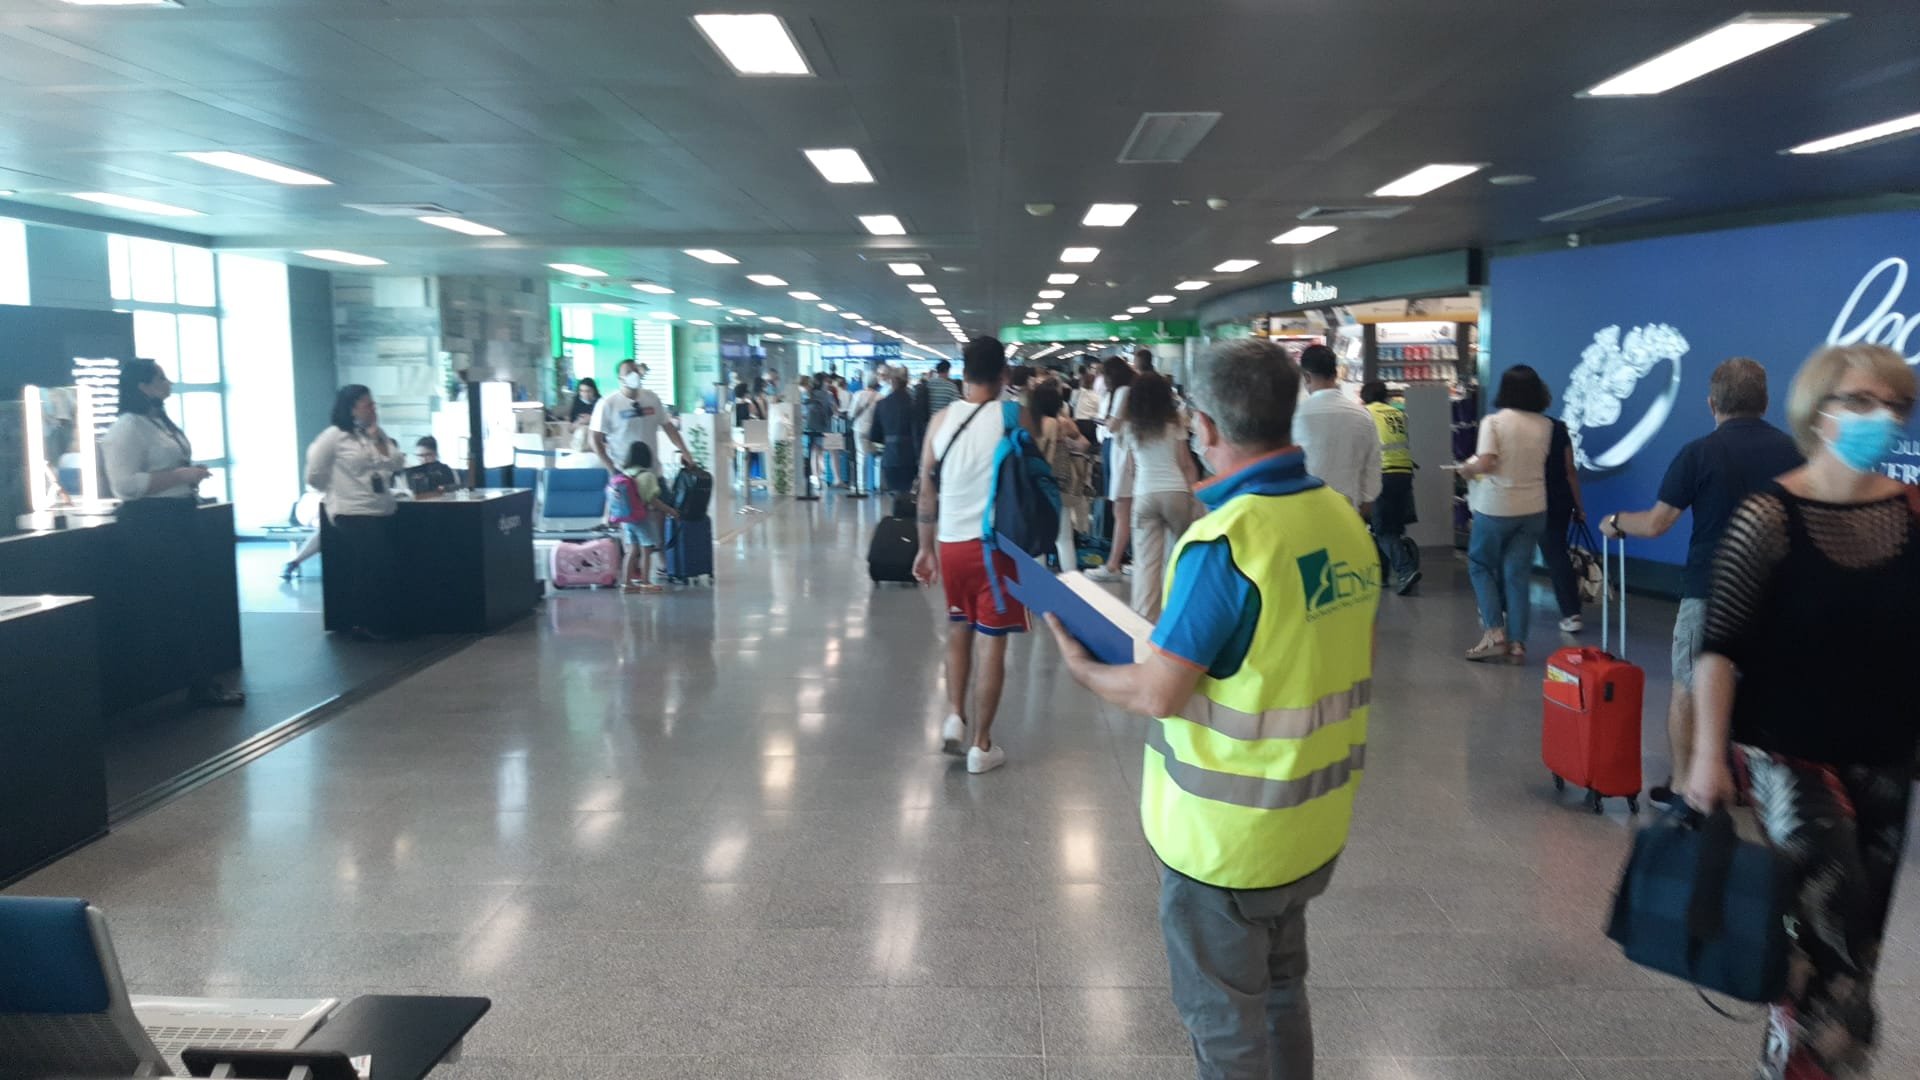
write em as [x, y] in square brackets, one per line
[840, 166]
[828, 307]
[1424, 179]
[256, 167]
[775, 319]
[740, 311]
[576, 270]
[139, 206]
[933, 301]
[1051, 294]
[883, 225]
[1106, 215]
[1189, 286]
[348, 257]
[708, 255]
[754, 44]
[923, 287]
[663, 316]
[703, 301]
[907, 269]
[853, 315]
[1123, 317]
[1080, 254]
[1884, 131]
[1062, 279]
[802, 294]
[1034, 315]
[1305, 234]
[650, 287]
[862, 322]
[1163, 298]
[1728, 43]
[698, 322]
[1234, 266]
[460, 225]
[774, 337]
[766, 279]
[1042, 305]
[1138, 310]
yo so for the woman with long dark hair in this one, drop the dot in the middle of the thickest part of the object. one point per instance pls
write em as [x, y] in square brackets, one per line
[1118, 375]
[352, 464]
[1155, 440]
[1508, 497]
[1061, 444]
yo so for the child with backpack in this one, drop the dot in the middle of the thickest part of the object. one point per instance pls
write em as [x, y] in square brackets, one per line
[634, 504]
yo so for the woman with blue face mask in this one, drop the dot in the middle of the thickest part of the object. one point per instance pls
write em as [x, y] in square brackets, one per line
[1803, 692]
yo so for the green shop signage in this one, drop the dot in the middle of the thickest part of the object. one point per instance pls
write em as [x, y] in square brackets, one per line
[1169, 330]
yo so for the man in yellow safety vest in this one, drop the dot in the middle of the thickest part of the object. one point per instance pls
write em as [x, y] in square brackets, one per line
[1260, 679]
[1393, 509]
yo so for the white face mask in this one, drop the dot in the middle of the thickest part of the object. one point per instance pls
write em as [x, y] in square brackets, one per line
[631, 380]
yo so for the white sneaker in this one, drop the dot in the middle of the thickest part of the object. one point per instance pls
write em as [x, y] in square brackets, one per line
[953, 735]
[979, 761]
[1101, 573]
[1572, 624]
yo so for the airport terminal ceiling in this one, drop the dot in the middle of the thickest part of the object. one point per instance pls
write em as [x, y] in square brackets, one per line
[615, 137]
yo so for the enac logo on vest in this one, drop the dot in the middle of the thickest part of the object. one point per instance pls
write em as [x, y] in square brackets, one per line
[1331, 585]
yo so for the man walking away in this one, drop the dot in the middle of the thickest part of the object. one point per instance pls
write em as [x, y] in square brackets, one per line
[1260, 679]
[893, 431]
[1713, 475]
[1393, 509]
[1336, 433]
[860, 421]
[934, 395]
[956, 478]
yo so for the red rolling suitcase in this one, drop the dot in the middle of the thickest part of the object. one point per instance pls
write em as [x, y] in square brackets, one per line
[1590, 734]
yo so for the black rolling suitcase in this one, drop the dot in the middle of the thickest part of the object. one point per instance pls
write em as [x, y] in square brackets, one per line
[896, 542]
[689, 550]
[692, 492]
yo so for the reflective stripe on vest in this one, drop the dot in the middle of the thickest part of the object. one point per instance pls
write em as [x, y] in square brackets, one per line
[1279, 723]
[1255, 791]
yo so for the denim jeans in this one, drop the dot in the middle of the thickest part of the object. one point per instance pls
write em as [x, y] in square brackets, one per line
[1500, 563]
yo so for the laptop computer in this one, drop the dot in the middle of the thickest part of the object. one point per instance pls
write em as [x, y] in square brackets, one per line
[175, 1023]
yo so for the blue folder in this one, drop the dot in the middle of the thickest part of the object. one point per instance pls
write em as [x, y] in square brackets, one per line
[1044, 594]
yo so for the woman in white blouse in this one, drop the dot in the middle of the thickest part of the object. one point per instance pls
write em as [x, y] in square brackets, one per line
[1164, 476]
[352, 464]
[1508, 497]
[150, 469]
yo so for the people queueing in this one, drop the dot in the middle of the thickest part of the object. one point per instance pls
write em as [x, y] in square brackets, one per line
[1712, 476]
[1259, 682]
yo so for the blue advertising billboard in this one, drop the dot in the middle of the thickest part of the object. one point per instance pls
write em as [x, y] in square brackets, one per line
[1627, 334]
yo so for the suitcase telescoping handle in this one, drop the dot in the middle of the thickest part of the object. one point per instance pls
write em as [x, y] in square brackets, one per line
[1606, 594]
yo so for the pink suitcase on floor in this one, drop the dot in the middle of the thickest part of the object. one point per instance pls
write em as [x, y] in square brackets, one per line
[585, 564]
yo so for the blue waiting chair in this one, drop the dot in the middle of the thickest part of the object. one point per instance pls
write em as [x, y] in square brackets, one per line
[572, 501]
[64, 1010]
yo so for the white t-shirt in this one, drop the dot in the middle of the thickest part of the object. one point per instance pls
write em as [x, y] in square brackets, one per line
[966, 477]
[1518, 486]
[1086, 404]
[1111, 406]
[864, 403]
[1156, 462]
[627, 420]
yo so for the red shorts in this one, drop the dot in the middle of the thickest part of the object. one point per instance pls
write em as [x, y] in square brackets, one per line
[963, 569]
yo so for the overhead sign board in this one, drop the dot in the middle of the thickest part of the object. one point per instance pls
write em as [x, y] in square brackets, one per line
[1139, 330]
[1445, 272]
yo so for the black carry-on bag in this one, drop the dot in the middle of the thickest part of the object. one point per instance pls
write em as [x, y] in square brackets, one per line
[895, 544]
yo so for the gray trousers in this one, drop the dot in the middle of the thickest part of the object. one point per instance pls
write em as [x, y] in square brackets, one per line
[1239, 965]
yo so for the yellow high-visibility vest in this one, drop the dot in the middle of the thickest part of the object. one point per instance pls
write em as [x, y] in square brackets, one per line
[1252, 785]
[1392, 423]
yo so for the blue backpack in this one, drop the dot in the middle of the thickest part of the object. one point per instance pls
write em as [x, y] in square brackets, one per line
[1024, 503]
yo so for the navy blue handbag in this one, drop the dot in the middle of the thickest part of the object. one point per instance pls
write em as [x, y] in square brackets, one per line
[1700, 904]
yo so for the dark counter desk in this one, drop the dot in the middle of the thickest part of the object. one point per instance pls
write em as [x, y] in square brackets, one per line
[466, 562]
[167, 599]
[53, 774]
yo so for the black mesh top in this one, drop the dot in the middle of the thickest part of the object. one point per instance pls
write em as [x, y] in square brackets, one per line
[1815, 604]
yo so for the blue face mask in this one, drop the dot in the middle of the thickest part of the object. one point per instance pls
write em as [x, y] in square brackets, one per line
[1862, 441]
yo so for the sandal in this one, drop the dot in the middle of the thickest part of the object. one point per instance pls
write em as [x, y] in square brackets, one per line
[1489, 648]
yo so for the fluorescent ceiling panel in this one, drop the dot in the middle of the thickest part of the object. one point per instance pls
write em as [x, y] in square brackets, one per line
[1052, 294]
[347, 257]
[1872, 134]
[138, 206]
[1079, 254]
[1728, 43]
[1234, 266]
[932, 301]
[1043, 305]
[754, 44]
[650, 287]
[1141, 310]
[1062, 279]
[699, 322]
[802, 294]
[1305, 234]
[840, 165]
[768, 280]
[576, 270]
[1190, 286]
[828, 307]
[1104, 215]
[854, 315]
[259, 168]
[708, 255]
[923, 287]
[460, 225]
[907, 269]
[740, 311]
[703, 301]
[883, 225]
[1163, 298]
[663, 316]
[1424, 179]
[1123, 317]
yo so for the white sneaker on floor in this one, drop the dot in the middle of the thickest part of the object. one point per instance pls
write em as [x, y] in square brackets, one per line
[1101, 573]
[979, 761]
[953, 735]
[1572, 624]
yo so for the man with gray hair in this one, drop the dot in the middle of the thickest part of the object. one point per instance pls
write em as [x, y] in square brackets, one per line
[1713, 475]
[1259, 679]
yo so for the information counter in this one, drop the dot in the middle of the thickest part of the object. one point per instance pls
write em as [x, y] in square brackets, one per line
[53, 785]
[166, 596]
[465, 563]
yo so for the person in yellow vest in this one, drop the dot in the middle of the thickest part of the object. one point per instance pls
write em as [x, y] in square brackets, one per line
[1260, 678]
[1393, 510]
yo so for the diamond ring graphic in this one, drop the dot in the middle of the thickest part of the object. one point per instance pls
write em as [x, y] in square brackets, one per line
[1609, 371]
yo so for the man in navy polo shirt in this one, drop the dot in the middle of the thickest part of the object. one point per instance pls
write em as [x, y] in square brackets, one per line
[1712, 475]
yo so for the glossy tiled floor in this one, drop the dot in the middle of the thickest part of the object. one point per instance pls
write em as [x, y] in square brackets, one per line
[706, 834]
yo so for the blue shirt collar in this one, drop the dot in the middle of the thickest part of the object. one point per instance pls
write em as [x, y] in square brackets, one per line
[1283, 472]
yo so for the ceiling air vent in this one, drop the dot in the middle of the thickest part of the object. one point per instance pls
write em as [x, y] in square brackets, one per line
[403, 209]
[1607, 207]
[1162, 138]
[1354, 213]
